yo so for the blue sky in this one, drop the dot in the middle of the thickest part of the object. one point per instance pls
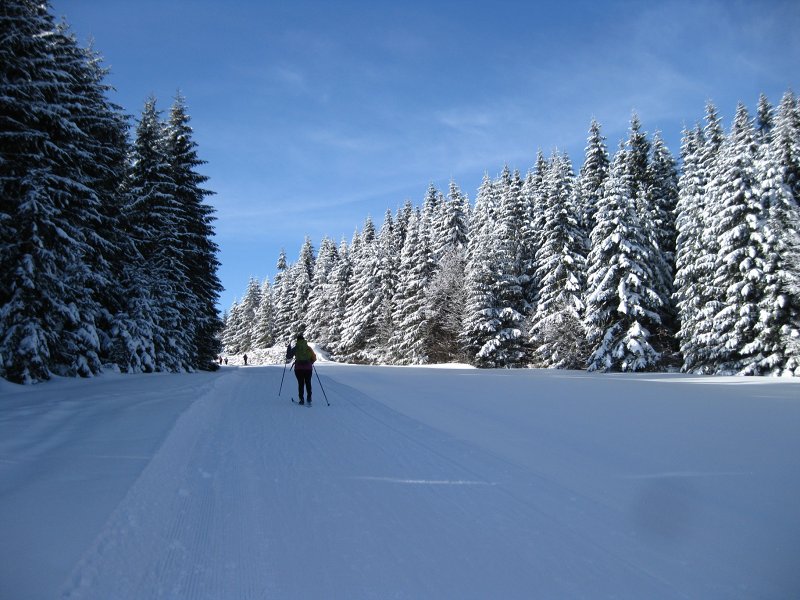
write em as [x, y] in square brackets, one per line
[313, 115]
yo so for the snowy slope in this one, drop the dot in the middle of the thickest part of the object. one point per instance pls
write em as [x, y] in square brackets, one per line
[414, 483]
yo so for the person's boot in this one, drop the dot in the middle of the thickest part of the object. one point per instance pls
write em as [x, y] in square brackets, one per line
[309, 400]
[301, 400]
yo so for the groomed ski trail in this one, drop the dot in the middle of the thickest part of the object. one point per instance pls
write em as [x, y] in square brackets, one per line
[249, 497]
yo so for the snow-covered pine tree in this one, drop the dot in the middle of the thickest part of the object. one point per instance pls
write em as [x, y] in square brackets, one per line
[154, 215]
[389, 249]
[235, 328]
[403, 217]
[321, 315]
[100, 151]
[701, 300]
[302, 275]
[362, 311]
[246, 311]
[661, 200]
[48, 204]
[445, 301]
[455, 222]
[557, 332]
[196, 231]
[778, 327]
[593, 174]
[534, 226]
[481, 320]
[340, 283]
[788, 136]
[621, 308]
[690, 244]
[409, 343]
[735, 213]
[764, 120]
[263, 335]
[510, 348]
[445, 297]
[282, 299]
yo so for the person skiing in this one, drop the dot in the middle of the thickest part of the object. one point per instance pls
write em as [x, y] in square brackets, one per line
[245, 360]
[304, 359]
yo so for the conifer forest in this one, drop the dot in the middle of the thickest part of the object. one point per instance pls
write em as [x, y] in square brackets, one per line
[634, 261]
[106, 242]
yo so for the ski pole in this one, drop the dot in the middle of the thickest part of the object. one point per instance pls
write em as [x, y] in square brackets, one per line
[320, 385]
[282, 376]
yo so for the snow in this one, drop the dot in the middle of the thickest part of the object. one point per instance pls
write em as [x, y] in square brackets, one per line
[413, 483]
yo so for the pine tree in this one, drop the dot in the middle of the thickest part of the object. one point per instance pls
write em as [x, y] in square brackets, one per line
[778, 326]
[481, 318]
[362, 311]
[621, 309]
[696, 297]
[195, 228]
[661, 199]
[409, 342]
[49, 206]
[534, 225]
[263, 333]
[282, 299]
[510, 349]
[557, 332]
[765, 119]
[593, 174]
[302, 275]
[690, 244]
[734, 213]
[340, 281]
[154, 216]
[322, 306]
[455, 224]
[389, 249]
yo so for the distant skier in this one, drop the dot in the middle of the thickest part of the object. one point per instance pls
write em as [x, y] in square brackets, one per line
[304, 359]
[245, 360]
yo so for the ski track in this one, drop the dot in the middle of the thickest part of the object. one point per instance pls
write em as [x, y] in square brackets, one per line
[252, 497]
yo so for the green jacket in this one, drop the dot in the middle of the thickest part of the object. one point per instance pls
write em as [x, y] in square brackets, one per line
[304, 356]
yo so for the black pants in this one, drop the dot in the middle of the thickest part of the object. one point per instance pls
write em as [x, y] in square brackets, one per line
[303, 378]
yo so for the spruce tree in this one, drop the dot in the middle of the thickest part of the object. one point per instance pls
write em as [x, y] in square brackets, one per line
[661, 200]
[621, 308]
[410, 339]
[690, 245]
[263, 334]
[322, 302]
[778, 326]
[557, 332]
[734, 214]
[362, 311]
[593, 174]
[282, 299]
[155, 218]
[195, 228]
[481, 318]
[49, 206]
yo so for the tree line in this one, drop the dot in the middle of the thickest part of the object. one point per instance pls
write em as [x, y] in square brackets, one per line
[106, 243]
[632, 264]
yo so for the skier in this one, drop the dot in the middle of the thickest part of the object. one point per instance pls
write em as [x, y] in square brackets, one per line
[245, 360]
[304, 359]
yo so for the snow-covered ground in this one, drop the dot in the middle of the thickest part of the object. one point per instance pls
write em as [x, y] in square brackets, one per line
[413, 483]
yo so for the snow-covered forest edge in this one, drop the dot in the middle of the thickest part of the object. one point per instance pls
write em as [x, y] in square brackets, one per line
[107, 258]
[631, 264]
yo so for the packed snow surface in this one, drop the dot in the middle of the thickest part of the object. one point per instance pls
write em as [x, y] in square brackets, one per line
[413, 483]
